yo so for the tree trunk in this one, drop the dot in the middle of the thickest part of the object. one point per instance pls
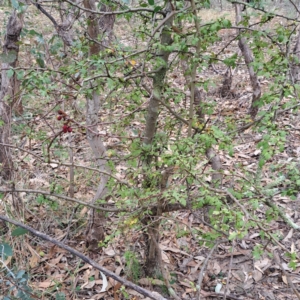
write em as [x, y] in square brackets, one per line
[151, 265]
[248, 57]
[9, 90]
[295, 67]
[95, 228]
[211, 155]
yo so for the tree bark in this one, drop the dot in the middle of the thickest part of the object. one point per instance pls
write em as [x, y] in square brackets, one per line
[248, 57]
[95, 228]
[151, 265]
[295, 67]
[10, 90]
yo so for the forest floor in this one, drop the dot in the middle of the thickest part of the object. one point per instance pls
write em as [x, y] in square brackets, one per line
[230, 266]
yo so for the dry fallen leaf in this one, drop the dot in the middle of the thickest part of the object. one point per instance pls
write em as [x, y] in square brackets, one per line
[257, 275]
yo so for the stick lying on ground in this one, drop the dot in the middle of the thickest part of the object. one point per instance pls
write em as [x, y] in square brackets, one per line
[152, 295]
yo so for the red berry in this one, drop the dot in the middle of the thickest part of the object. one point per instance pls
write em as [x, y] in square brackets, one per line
[65, 128]
[60, 112]
[70, 129]
[59, 118]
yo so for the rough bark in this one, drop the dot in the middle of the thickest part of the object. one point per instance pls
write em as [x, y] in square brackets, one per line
[9, 90]
[63, 29]
[106, 23]
[95, 228]
[295, 67]
[248, 57]
[151, 265]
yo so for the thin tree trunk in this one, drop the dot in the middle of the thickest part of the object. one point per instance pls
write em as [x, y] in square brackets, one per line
[151, 265]
[9, 91]
[295, 68]
[211, 155]
[95, 228]
[248, 57]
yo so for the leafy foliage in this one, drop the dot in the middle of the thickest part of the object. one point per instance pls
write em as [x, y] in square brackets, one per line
[123, 75]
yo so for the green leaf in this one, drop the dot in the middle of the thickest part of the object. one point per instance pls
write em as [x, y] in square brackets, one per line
[257, 252]
[19, 231]
[182, 201]
[10, 73]
[15, 4]
[60, 296]
[231, 61]
[20, 74]
[293, 264]
[20, 274]
[157, 8]
[5, 249]
[8, 57]
[151, 2]
[40, 62]
[33, 32]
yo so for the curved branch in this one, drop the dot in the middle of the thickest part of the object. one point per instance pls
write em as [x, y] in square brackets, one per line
[41, 9]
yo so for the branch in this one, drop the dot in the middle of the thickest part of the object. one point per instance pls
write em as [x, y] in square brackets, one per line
[62, 197]
[67, 164]
[40, 8]
[201, 275]
[288, 278]
[281, 213]
[116, 12]
[264, 11]
[151, 295]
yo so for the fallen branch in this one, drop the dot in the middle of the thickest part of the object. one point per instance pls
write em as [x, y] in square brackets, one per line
[151, 295]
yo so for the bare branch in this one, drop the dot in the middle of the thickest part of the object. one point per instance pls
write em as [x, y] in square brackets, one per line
[151, 295]
[116, 12]
[61, 197]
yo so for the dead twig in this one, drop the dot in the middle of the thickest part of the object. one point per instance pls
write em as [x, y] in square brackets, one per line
[151, 295]
[229, 271]
[201, 275]
[277, 260]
